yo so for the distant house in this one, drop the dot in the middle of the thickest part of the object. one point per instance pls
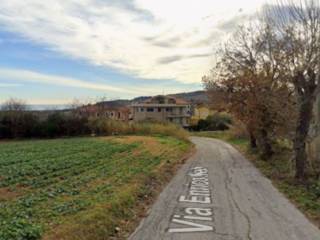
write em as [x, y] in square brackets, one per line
[200, 112]
[163, 109]
[86, 111]
[117, 113]
[121, 113]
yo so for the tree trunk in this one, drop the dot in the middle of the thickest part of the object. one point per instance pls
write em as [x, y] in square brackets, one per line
[266, 145]
[253, 141]
[252, 137]
[302, 129]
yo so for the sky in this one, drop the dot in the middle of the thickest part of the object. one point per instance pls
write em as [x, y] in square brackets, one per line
[52, 52]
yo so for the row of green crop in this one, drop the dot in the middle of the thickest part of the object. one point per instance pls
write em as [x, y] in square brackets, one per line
[44, 166]
[69, 177]
[48, 181]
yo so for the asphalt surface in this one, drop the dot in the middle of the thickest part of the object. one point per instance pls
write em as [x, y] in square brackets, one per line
[219, 195]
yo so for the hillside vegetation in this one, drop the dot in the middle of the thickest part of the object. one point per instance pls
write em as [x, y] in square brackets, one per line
[81, 188]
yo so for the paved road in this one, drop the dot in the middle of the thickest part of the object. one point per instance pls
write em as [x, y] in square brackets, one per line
[219, 195]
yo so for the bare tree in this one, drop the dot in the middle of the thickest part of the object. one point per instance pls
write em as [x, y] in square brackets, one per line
[298, 33]
[15, 117]
[14, 105]
[248, 75]
[75, 104]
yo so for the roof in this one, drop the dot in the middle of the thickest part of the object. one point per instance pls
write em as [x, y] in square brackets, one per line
[96, 108]
[160, 99]
[158, 105]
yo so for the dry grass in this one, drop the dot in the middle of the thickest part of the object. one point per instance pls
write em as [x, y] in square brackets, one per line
[110, 127]
[118, 216]
[6, 194]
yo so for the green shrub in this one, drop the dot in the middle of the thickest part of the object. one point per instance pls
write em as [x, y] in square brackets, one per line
[28, 125]
[215, 122]
[18, 125]
[315, 189]
[23, 124]
[19, 229]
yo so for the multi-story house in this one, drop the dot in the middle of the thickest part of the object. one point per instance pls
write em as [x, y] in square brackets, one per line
[101, 111]
[163, 109]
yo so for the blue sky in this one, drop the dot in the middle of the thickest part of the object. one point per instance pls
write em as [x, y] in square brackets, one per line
[19, 54]
[84, 49]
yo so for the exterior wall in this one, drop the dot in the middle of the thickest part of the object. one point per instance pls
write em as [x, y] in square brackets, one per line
[118, 114]
[141, 113]
[176, 114]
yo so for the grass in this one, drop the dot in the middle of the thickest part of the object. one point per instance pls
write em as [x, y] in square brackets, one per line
[223, 135]
[107, 127]
[279, 169]
[82, 188]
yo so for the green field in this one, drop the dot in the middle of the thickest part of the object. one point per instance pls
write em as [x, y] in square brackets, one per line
[82, 188]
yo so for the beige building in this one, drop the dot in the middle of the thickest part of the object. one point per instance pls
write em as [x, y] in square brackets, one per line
[101, 111]
[163, 109]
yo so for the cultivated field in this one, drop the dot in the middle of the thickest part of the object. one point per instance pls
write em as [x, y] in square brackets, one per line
[82, 188]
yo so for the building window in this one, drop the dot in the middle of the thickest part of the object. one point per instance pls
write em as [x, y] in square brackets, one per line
[150, 109]
[141, 109]
[168, 109]
[159, 109]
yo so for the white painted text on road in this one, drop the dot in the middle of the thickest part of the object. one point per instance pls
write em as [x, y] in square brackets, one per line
[198, 217]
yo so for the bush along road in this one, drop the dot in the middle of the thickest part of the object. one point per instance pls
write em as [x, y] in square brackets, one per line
[218, 194]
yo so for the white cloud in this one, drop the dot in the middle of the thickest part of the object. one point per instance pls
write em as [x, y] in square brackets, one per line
[9, 85]
[36, 77]
[133, 36]
[30, 76]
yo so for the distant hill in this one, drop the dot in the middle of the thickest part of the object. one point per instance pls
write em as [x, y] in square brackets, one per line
[115, 103]
[192, 97]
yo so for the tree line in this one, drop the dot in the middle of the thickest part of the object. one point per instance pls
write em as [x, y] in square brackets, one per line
[17, 122]
[267, 75]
